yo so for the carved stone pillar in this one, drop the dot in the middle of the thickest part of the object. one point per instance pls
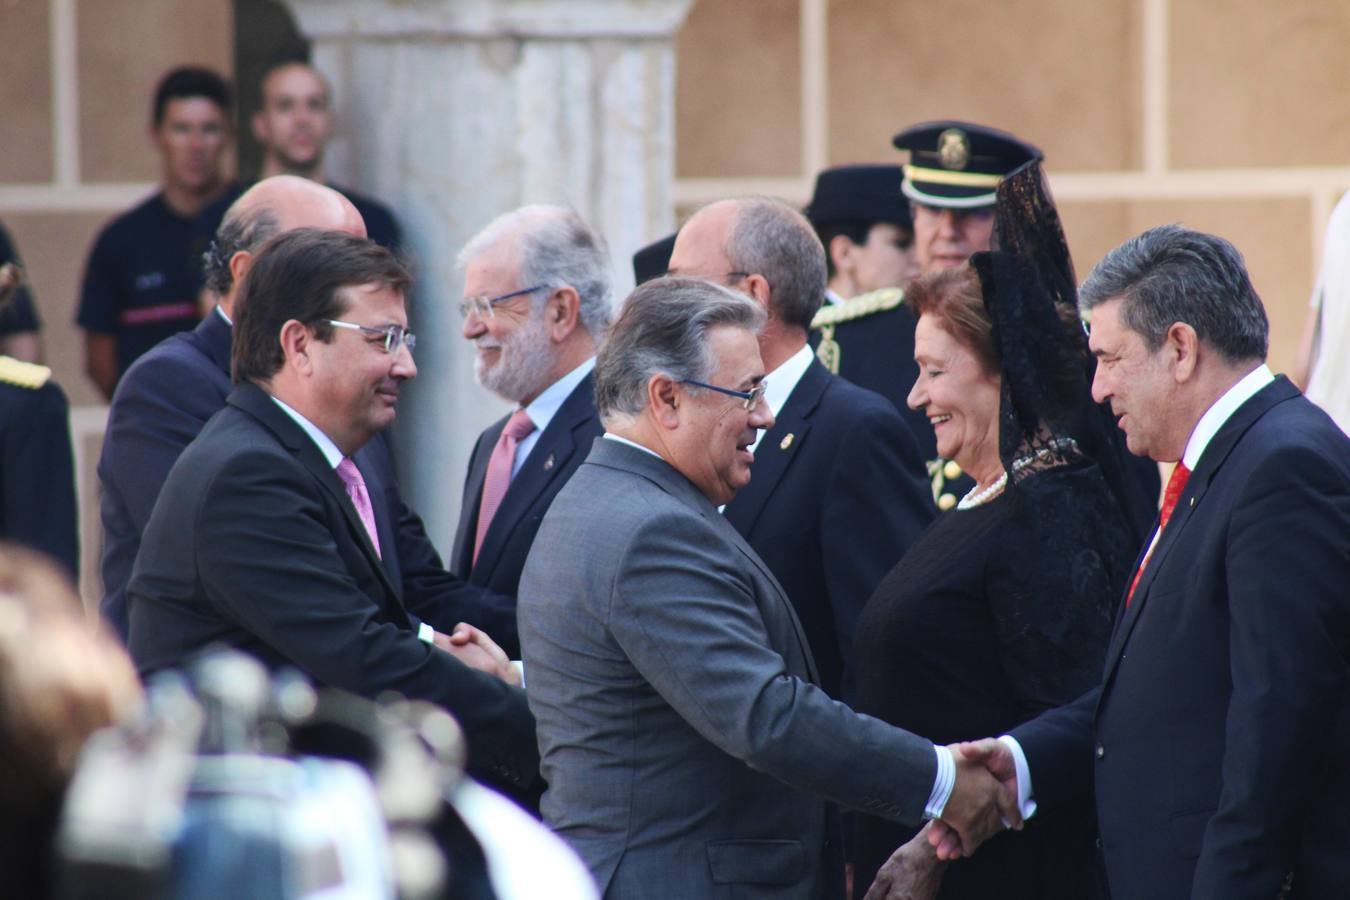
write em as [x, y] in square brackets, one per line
[454, 111]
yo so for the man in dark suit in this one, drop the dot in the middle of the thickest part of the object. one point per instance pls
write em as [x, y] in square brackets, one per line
[1216, 741]
[839, 491]
[170, 392]
[264, 536]
[685, 742]
[536, 301]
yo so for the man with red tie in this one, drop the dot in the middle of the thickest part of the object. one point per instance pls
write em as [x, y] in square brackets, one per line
[1215, 743]
[536, 301]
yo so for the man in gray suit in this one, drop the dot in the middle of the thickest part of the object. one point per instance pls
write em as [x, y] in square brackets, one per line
[687, 748]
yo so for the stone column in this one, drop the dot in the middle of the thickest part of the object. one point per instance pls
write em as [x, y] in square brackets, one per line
[454, 111]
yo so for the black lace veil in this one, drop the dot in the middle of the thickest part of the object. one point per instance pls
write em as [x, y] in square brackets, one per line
[1047, 416]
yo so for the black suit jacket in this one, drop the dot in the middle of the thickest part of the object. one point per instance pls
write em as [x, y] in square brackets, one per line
[254, 544]
[561, 448]
[1217, 738]
[836, 495]
[163, 402]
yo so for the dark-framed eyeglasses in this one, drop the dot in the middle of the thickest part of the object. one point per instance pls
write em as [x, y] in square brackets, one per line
[395, 336]
[750, 399]
[486, 306]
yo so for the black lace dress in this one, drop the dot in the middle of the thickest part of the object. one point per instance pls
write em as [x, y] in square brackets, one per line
[995, 614]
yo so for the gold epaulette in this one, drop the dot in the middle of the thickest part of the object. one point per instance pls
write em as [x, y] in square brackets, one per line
[23, 374]
[859, 306]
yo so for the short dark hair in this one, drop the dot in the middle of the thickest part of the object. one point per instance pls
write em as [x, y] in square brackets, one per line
[856, 230]
[299, 275]
[1172, 274]
[191, 81]
[772, 239]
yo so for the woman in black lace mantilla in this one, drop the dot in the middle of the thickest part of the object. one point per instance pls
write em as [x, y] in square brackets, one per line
[1003, 608]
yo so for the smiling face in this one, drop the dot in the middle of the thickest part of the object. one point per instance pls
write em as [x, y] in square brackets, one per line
[945, 238]
[959, 396]
[515, 355]
[294, 123]
[711, 445]
[356, 381]
[1138, 384]
[191, 137]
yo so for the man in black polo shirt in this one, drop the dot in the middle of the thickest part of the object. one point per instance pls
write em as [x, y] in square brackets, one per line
[144, 275]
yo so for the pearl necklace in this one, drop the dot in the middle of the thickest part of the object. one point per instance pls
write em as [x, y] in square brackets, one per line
[979, 496]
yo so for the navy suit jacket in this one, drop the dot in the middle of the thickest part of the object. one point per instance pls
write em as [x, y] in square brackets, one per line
[1216, 741]
[837, 493]
[255, 544]
[561, 448]
[161, 405]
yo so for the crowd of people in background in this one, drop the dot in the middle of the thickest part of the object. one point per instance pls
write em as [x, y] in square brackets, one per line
[833, 561]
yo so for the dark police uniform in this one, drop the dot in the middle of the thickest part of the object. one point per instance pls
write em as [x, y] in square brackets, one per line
[37, 469]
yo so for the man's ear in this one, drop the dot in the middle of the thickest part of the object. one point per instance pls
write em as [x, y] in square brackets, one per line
[663, 399]
[1183, 346]
[259, 123]
[757, 286]
[240, 263]
[295, 343]
[562, 313]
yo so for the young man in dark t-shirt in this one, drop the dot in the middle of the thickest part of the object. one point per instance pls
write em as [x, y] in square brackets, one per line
[144, 274]
[294, 123]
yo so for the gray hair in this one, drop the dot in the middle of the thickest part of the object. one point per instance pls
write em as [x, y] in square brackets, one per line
[555, 247]
[1172, 274]
[772, 239]
[663, 329]
[245, 229]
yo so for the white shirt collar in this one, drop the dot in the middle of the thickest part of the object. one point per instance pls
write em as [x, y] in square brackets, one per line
[782, 381]
[547, 404]
[322, 441]
[611, 436]
[1223, 408]
[832, 298]
[220, 310]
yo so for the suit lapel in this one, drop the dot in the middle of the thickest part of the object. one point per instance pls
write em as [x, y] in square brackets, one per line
[254, 401]
[467, 530]
[778, 447]
[546, 461]
[1189, 504]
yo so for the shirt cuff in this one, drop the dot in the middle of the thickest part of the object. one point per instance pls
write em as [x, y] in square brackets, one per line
[942, 784]
[519, 666]
[426, 633]
[1026, 800]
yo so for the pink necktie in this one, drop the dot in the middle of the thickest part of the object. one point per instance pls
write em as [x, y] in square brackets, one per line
[1175, 485]
[498, 478]
[356, 489]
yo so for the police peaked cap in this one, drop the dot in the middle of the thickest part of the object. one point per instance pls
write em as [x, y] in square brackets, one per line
[859, 194]
[653, 260]
[959, 164]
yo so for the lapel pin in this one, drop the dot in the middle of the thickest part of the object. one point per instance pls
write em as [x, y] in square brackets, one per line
[548, 463]
[1192, 503]
[786, 442]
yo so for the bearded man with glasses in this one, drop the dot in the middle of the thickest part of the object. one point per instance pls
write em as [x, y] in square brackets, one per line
[536, 301]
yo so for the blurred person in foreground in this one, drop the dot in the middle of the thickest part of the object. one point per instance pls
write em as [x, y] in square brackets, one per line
[61, 678]
[1214, 745]
[1323, 366]
[687, 747]
[1002, 609]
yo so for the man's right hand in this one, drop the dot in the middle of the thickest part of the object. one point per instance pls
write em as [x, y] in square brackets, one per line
[475, 649]
[949, 838]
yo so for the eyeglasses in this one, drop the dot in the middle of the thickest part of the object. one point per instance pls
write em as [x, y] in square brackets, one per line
[751, 397]
[485, 306]
[395, 336]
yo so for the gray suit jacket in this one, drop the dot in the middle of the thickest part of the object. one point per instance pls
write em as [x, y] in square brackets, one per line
[685, 744]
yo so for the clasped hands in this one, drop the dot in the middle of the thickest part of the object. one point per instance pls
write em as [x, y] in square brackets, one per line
[983, 801]
[475, 649]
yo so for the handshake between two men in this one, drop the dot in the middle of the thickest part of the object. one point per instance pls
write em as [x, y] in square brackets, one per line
[983, 802]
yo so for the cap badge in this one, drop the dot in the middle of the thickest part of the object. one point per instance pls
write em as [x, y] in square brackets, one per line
[953, 149]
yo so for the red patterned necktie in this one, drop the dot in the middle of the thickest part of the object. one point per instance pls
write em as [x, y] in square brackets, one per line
[498, 477]
[356, 489]
[1175, 485]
